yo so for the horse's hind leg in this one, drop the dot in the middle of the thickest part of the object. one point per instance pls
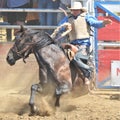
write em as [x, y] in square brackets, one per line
[64, 88]
[34, 88]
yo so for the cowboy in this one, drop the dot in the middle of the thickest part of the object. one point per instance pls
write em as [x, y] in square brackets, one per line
[80, 23]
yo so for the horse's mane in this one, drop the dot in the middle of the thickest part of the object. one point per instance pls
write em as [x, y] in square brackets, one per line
[40, 37]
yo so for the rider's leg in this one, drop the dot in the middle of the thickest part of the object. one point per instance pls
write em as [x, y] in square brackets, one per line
[86, 74]
[79, 58]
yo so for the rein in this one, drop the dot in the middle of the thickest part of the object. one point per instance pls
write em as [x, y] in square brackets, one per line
[23, 53]
[30, 47]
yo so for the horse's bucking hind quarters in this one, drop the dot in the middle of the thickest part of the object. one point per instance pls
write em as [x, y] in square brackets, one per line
[54, 66]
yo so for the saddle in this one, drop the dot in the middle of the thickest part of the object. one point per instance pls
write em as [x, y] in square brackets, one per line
[70, 50]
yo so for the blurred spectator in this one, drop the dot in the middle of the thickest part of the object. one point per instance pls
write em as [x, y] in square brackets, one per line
[2, 5]
[64, 4]
[17, 18]
[47, 18]
[33, 17]
[55, 6]
[3, 15]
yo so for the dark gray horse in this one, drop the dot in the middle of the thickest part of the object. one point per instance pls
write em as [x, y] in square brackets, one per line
[54, 66]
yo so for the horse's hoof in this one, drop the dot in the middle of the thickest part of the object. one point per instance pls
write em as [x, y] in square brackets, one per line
[31, 114]
[34, 111]
[57, 104]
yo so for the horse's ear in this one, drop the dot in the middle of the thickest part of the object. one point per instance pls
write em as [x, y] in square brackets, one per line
[22, 28]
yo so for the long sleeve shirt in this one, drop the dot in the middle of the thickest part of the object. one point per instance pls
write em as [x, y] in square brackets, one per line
[91, 21]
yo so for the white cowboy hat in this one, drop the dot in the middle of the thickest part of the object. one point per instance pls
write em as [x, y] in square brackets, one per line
[77, 6]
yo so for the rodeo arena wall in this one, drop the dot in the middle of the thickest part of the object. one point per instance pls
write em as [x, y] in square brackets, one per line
[105, 44]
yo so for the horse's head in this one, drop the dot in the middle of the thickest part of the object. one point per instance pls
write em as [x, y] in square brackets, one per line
[26, 42]
[22, 46]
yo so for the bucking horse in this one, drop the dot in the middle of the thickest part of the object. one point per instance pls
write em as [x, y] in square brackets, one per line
[54, 65]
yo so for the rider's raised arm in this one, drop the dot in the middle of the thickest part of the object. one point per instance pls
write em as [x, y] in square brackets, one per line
[65, 19]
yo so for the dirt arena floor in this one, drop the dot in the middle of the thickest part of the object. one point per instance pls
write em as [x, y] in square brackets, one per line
[15, 83]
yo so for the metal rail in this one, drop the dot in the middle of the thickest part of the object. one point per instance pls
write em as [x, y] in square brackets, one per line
[30, 10]
[109, 44]
[6, 26]
[27, 26]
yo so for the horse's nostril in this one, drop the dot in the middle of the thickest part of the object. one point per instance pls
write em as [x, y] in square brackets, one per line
[7, 59]
[10, 61]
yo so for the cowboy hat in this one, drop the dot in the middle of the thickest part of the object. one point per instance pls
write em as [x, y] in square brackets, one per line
[77, 6]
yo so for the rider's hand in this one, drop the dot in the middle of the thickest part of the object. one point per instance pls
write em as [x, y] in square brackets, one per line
[106, 22]
[69, 26]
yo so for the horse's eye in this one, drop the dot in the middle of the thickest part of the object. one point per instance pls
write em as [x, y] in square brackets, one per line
[28, 40]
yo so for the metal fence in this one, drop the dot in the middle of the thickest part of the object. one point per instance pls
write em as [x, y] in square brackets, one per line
[4, 25]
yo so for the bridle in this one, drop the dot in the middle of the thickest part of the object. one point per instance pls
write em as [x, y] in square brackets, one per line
[31, 47]
[24, 53]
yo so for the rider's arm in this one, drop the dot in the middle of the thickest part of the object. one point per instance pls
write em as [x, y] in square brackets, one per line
[64, 20]
[92, 21]
[62, 27]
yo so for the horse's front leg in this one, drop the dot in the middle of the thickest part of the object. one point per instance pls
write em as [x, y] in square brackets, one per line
[37, 88]
[34, 88]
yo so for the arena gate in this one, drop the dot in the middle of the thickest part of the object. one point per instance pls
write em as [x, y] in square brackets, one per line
[107, 45]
